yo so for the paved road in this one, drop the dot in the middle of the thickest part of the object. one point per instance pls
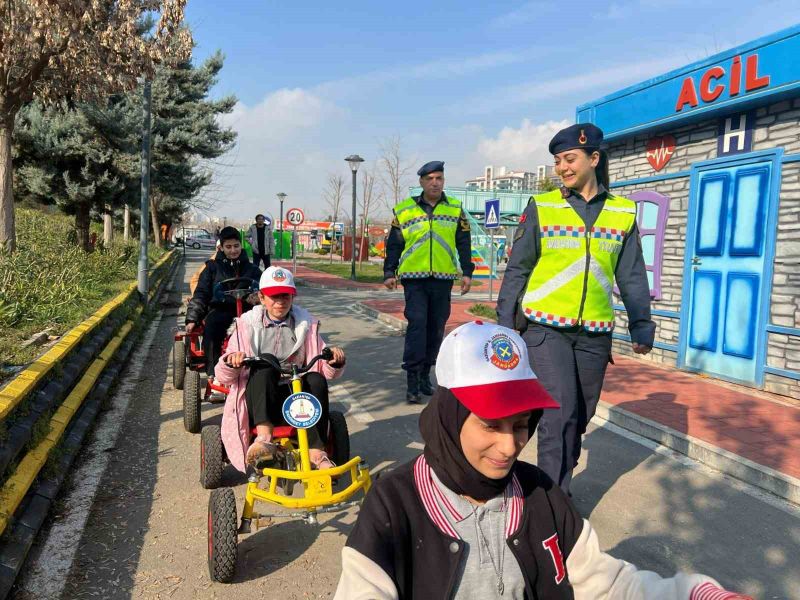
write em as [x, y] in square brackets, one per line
[145, 528]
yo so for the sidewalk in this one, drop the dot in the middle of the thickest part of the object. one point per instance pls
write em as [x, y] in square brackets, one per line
[748, 434]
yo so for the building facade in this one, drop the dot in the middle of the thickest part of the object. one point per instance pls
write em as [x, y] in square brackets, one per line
[502, 179]
[711, 154]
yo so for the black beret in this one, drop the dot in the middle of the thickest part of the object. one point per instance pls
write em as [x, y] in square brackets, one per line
[431, 167]
[582, 135]
[229, 233]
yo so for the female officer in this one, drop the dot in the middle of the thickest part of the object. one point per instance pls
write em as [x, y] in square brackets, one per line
[570, 247]
[467, 520]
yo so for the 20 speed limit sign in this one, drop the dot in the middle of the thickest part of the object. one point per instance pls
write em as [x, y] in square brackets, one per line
[295, 216]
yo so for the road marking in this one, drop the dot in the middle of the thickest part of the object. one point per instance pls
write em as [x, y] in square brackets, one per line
[47, 572]
[353, 406]
[416, 446]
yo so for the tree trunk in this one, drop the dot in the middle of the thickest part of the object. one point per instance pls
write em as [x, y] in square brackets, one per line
[108, 226]
[154, 221]
[126, 223]
[82, 226]
[8, 236]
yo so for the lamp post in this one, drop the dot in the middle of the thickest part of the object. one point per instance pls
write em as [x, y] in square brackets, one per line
[354, 160]
[281, 197]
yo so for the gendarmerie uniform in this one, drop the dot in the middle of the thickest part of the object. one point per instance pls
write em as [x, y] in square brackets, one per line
[428, 247]
[565, 301]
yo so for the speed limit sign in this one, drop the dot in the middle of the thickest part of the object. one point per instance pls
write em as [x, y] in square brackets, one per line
[295, 216]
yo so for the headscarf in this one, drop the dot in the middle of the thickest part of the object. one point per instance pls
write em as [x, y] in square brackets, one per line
[440, 425]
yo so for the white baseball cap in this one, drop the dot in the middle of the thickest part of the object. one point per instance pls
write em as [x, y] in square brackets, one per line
[277, 280]
[486, 367]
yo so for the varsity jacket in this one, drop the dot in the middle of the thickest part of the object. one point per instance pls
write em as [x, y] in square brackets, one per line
[402, 547]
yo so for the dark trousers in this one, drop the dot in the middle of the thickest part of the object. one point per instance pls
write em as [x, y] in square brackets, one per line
[265, 394]
[570, 364]
[427, 310]
[215, 327]
[257, 258]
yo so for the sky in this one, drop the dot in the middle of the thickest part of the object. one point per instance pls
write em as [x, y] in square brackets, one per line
[470, 83]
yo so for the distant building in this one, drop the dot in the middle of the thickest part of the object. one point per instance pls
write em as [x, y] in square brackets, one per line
[502, 179]
[546, 172]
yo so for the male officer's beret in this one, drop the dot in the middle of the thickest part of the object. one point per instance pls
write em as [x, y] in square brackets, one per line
[431, 167]
[582, 135]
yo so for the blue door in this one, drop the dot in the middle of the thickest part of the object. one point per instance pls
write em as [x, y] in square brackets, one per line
[727, 271]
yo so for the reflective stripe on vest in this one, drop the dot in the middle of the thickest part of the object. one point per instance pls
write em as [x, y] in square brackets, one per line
[430, 241]
[574, 277]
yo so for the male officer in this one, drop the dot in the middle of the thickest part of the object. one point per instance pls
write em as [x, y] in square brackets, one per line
[570, 247]
[428, 242]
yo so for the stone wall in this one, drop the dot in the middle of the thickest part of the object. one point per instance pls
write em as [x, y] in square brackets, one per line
[777, 125]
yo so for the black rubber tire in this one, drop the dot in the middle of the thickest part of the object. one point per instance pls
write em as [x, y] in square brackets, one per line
[222, 535]
[191, 402]
[178, 364]
[212, 460]
[196, 245]
[338, 438]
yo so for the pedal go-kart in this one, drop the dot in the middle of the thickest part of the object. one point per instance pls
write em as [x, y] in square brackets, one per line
[189, 360]
[291, 465]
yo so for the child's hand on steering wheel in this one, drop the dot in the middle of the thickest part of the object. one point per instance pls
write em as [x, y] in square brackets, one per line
[338, 359]
[234, 359]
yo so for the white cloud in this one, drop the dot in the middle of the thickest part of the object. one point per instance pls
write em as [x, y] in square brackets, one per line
[527, 13]
[522, 148]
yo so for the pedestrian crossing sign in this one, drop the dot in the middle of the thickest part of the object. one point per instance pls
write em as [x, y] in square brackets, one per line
[491, 215]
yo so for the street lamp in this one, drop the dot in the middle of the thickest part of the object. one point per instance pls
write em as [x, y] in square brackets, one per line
[354, 160]
[281, 197]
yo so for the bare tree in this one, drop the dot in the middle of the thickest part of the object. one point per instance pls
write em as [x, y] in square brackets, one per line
[368, 199]
[394, 171]
[76, 50]
[334, 192]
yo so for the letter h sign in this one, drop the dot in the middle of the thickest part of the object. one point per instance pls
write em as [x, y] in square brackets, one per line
[735, 134]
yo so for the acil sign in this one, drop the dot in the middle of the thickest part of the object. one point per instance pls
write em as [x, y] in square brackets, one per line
[715, 81]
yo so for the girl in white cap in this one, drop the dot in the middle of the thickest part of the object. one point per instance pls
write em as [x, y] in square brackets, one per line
[467, 520]
[291, 334]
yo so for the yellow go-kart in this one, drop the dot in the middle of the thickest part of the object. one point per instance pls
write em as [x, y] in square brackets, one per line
[291, 465]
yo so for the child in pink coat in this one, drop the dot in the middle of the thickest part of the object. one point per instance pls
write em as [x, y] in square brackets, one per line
[291, 334]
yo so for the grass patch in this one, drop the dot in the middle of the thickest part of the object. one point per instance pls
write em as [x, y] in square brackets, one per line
[51, 283]
[366, 273]
[484, 311]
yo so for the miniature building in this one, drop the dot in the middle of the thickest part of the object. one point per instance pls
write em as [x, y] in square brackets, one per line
[711, 154]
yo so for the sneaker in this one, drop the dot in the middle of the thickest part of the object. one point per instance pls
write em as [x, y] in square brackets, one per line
[261, 452]
[320, 460]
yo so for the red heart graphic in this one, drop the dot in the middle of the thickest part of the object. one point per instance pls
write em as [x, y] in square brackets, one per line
[660, 150]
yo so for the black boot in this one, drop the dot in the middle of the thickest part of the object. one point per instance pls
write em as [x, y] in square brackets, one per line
[425, 386]
[412, 393]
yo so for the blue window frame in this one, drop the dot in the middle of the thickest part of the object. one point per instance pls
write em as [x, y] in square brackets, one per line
[652, 212]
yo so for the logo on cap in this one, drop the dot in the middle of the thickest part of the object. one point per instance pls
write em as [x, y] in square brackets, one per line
[582, 139]
[501, 352]
[279, 275]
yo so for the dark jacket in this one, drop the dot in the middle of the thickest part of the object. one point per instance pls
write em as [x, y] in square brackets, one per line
[216, 270]
[397, 531]
[396, 243]
[630, 274]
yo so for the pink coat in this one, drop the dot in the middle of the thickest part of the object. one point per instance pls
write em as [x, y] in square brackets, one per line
[235, 425]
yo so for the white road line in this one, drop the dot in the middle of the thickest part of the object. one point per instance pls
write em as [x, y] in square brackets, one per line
[340, 394]
[47, 573]
[416, 446]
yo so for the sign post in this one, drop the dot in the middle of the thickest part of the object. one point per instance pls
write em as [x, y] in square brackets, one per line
[491, 221]
[295, 217]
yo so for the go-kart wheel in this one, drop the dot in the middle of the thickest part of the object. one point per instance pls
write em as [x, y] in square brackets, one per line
[191, 402]
[338, 438]
[178, 364]
[222, 535]
[211, 457]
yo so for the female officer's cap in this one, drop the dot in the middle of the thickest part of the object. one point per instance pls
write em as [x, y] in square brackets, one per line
[581, 135]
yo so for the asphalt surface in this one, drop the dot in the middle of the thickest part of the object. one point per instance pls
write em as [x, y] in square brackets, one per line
[145, 535]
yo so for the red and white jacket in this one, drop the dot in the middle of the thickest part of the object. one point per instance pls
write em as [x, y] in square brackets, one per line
[403, 547]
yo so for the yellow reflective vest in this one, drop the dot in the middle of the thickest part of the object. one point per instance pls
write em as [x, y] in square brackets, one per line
[571, 283]
[430, 242]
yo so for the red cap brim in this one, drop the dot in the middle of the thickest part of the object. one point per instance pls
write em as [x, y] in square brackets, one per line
[504, 398]
[276, 290]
